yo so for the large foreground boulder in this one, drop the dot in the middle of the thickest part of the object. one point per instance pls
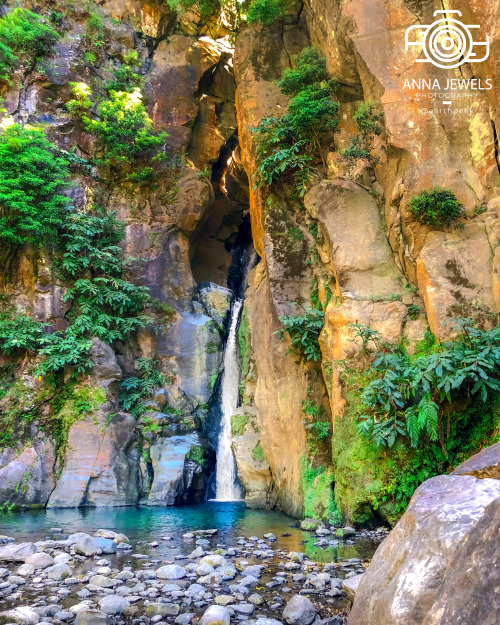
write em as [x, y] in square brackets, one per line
[439, 565]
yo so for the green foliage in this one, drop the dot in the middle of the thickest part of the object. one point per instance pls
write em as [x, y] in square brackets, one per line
[23, 32]
[435, 207]
[366, 335]
[369, 126]
[21, 336]
[304, 330]
[197, 455]
[239, 423]
[124, 131]
[412, 397]
[291, 144]
[93, 39]
[266, 12]
[81, 103]
[258, 453]
[134, 391]
[32, 178]
[317, 489]
[414, 312]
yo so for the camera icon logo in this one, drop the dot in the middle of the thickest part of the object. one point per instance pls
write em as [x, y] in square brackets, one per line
[447, 42]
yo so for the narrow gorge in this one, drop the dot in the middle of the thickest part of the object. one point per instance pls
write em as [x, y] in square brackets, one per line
[249, 311]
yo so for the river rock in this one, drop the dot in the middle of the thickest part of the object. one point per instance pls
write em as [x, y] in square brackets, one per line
[116, 537]
[17, 552]
[299, 611]
[113, 605]
[216, 615]
[101, 581]
[58, 571]
[162, 609]
[105, 545]
[171, 571]
[351, 584]
[86, 546]
[26, 569]
[408, 570]
[310, 525]
[23, 615]
[40, 560]
[91, 617]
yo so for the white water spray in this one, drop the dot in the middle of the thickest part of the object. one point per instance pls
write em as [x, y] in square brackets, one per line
[227, 487]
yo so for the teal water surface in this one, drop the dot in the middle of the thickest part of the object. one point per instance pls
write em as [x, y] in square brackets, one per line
[231, 519]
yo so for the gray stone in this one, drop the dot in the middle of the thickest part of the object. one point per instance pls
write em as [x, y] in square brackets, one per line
[485, 464]
[254, 570]
[406, 574]
[216, 615]
[184, 619]
[101, 581]
[17, 552]
[310, 524]
[26, 569]
[171, 571]
[112, 604]
[23, 615]
[299, 611]
[86, 546]
[58, 571]
[244, 608]
[350, 585]
[91, 617]
[105, 544]
[162, 609]
[40, 560]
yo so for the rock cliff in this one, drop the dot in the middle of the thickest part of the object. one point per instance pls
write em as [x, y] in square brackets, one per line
[349, 245]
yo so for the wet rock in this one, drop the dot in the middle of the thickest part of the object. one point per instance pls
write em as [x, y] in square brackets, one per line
[171, 571]
[310, 524]
[23, 615]
[216, 615]
[91, 617]
[40, 560]
[86, 546]
[299, 611]
[350, 585]
[58, 572]
[105, 545]
[114, 536]
[162, 609]
[17, 552]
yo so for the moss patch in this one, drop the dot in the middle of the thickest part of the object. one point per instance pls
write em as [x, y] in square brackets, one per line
[239, 423]
[257, 453]
[317, 489]
[197, 454]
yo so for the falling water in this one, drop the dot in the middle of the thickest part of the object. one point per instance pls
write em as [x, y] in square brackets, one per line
[227, 487]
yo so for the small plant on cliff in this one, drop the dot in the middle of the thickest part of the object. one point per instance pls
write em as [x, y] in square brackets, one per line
[32, 179]
[435, 207]
[369, 126]
[304, 330]
[23, 32]
[291, 144]
[414, 397]
[266, 12]
[134, 391]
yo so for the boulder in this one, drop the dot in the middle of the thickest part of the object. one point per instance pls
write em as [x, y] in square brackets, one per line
[162, 609]
[58, 572]
[217, 302]
[171, 571]
[485, 464]
[216, 615]
[299, 611]
[87, 546]
[40, 560]
[350, 585]
[406, 575]
[91, 617]
[19, 552]
[114, 605]
[174, 472]
[469, 593]
[310, 525]
[23, 615]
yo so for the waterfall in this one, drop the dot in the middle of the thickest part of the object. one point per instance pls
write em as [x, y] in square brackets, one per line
[227, 487]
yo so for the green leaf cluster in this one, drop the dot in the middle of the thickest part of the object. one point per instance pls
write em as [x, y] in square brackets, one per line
[266, 12]
[291, 144]
[435, 207]
[369, 126]
[33, 177]
[23, 32]
[412, 398]
[135, 390]
[304, 330]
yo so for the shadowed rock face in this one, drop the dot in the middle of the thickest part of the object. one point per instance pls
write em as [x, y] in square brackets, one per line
[440, 563]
